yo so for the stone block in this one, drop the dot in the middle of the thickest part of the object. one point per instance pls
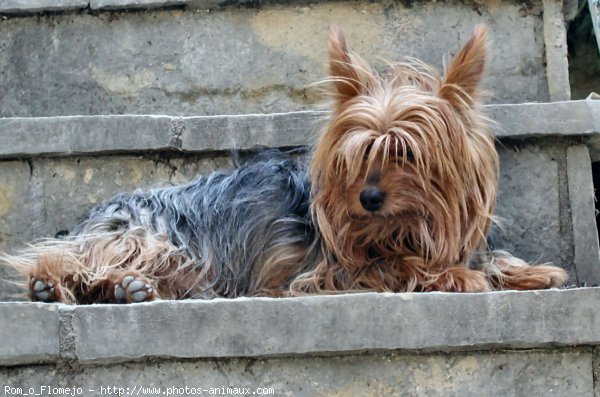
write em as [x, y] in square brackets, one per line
[29, 6]
[583, 212]
[75, 185]
[244, 60]
[529, 205]
[80, 134]
[245, 132]
[555, 39]
[28, 333]
[596, 363]
[510, 374]
[115, 4]
[18, 210]
[254, 327]
[546, 119]
[92, 135]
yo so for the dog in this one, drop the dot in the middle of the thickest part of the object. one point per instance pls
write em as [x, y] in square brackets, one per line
[398, 195]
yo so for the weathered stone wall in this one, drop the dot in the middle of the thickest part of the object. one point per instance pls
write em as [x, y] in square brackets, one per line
[532, 204]
[246, 60]
[508, 373]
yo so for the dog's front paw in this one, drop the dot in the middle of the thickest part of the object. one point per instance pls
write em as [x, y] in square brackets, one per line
[132, 289]
[44, 290]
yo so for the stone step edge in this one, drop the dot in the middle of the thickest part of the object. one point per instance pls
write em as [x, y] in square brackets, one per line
[27, 7]
[81, 135]
[313, 325]
[30, 7]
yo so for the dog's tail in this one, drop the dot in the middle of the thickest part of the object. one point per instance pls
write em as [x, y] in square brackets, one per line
[505, 272]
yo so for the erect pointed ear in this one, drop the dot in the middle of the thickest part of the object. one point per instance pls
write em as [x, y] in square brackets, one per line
[346, 69]
[466, 71]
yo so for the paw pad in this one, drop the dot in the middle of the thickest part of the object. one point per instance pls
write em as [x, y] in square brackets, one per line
[43, 290]
[131, 290]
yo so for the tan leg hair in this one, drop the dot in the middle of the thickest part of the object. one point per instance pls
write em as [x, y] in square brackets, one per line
[509, 273]
[55, 263]
[458, 279]
[85, 268]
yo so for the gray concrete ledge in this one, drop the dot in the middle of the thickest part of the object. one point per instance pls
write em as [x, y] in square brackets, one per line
[546, 119]
[134, 4]
[36, 6]
[25, 7]
[342, 324]
[29, 333]
[71, 135]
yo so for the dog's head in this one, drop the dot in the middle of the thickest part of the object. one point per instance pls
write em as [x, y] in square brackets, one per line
[406, 165]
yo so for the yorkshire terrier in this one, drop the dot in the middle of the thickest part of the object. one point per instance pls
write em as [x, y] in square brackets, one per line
[398, 196]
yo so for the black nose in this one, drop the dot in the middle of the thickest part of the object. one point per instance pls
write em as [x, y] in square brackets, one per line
[372, 198]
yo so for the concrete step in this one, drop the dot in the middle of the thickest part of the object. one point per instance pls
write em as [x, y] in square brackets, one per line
[436, 344]
[189, 57]
[52, 170]
[204, 57]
